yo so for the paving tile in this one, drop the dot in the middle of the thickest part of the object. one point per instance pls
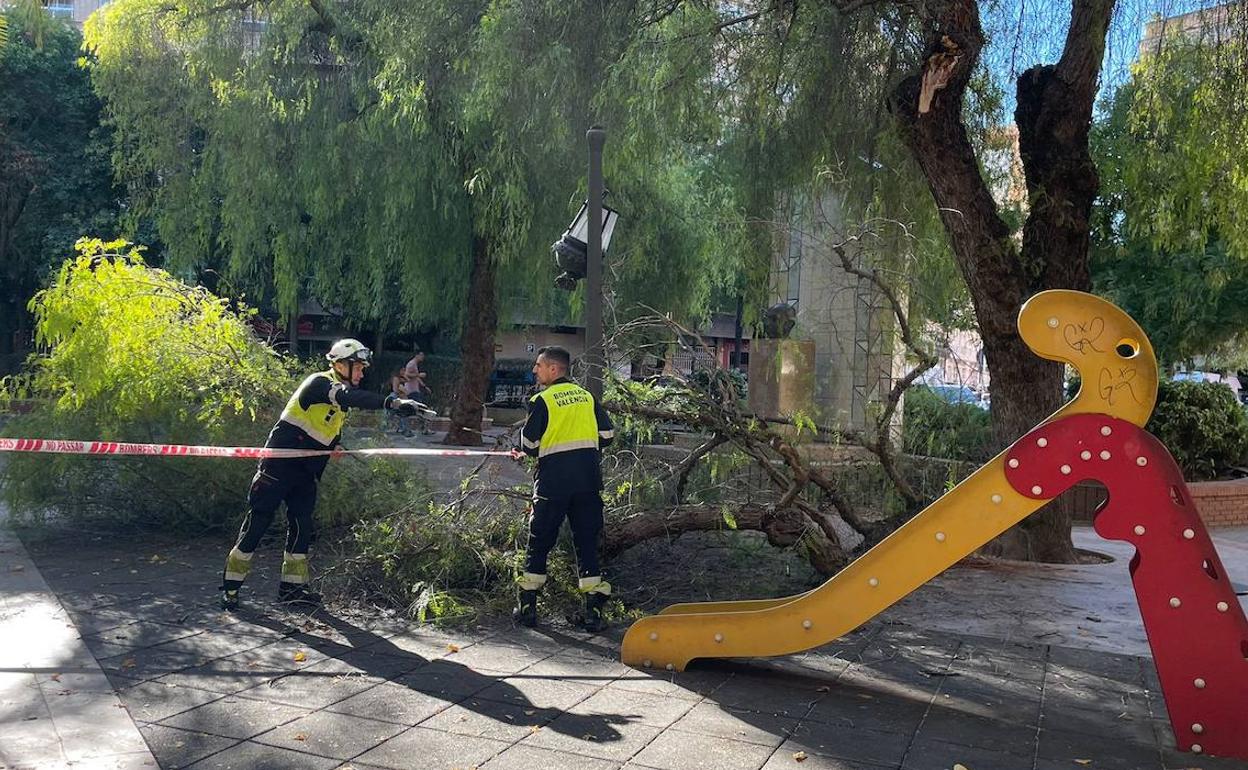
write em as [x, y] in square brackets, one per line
[939, 755]
[591, 669]
[235, 717]
[1119, 726]
[327, 734]
[316, 686]
[673, 750]
[972, 658]
[537, 692]
[757, 694]
[142, 665]
[436, 751]
[498, 657]
[970, 730]
[490, 719]
[688, 685]
[534, 758]
[445, 679]
[142, 634]
[154, 701]
[571, 733]
[1125, 669]
[857, 707]
[652, 710]
[738, 725]
[391, 702]
[34, 741]
[210, 646]
[258, 756]
[1061, 745]
[174, 748]
[784, 759]
[1063, 695]
[380, 665]
[853, 743]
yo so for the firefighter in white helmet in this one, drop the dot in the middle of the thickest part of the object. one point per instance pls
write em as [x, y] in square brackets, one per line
[313, 419]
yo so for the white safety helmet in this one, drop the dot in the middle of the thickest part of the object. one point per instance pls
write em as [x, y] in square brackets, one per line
[349, 350]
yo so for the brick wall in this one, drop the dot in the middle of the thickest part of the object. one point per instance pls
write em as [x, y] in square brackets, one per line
[1220, 503]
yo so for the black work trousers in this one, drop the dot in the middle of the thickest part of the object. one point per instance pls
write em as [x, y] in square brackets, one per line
[285, 480]
[584, 514]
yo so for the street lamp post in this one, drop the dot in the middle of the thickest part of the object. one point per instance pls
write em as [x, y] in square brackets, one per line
[594, 353]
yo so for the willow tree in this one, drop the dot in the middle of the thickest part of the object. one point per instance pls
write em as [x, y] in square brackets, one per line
[399, 162]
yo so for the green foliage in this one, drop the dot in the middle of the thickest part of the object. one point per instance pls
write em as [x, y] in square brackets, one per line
[1203, 425]
[55, 180]
[1182, 155]
[132, 354]
[936, 428]
[453, 561]
[1162, 249]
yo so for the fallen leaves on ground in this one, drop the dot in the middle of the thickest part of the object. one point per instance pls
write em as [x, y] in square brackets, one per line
[128, 663]
[453, 647]
[1083, 761]
[300, 656]
[301, 736]
[55, 677]
[799, 756]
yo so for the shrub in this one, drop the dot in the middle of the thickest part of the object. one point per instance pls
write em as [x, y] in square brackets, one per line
[1203, 426]
[133, 354]
[934, 427]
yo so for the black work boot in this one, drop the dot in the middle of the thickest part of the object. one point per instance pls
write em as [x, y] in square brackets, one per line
[229, 599]
[593, 620]
[297, 595]
[526, 611]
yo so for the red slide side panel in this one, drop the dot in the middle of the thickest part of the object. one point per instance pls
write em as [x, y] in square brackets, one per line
[1195, 624]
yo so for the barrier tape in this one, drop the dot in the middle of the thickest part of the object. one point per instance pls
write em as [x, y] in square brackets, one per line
[69, 447]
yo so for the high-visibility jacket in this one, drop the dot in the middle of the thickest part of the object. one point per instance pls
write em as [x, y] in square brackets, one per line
[315, 414]
[565, 430]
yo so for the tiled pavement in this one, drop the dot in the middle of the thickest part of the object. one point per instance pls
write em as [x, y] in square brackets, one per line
[268, 689]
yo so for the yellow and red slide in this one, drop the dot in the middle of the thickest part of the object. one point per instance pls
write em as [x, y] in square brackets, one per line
[1099, 435]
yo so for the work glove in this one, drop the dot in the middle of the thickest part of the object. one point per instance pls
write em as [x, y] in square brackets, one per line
[409, 407]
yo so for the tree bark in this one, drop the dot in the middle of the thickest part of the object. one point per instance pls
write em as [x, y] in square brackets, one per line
[784, 527]
[1054, 114]
[476, 349]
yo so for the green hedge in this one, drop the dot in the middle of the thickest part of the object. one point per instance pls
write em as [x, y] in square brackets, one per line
[1203, 425]
[936, 428]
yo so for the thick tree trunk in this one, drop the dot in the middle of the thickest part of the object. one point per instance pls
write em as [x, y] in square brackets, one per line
[1054, 114]
[783, 528]
[476, 349]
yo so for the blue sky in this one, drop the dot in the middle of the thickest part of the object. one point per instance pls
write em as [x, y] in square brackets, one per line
[1024, 33]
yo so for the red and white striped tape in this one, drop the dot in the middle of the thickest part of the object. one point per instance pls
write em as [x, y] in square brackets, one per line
[68, 447]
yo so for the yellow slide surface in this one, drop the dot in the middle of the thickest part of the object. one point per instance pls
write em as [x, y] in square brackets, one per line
[1119, 374]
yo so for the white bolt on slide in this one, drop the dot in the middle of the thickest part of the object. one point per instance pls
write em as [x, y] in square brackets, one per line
[1223, 606]
[1188, 534]
[1196, 748]
[1104, 454]
[1174, 601]
[873, 582]
[1036, 490]
[1139, 530]
[1085, 455]
[1200, 683]
[654, 636]
[1141, 461]
[719, 637]
[940, 537]
[1065, 469]
[1053, 323]
[1042, 442]
[1106, 430]
[1198, 728]
[996, 499]
[807, 624]
[1013, 462]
